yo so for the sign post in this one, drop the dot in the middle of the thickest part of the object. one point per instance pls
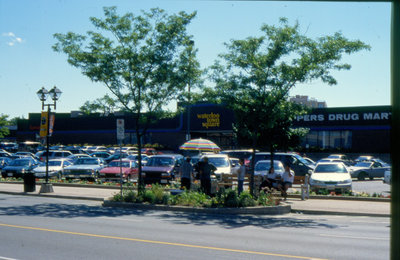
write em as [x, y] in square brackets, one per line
[120, 138]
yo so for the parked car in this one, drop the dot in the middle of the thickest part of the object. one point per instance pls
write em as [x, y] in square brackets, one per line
[56, 167]
[5, 154]
[74, 157]
[18, 167]
[364, 158]
[162, 168]
[84, 168]
[113, 170]
[115, 156]
[368, 169]
[221, 162]
[4, 161]
[244, 154]
[100, 154]
[262, 167]
[53, 154]
[310, 161]
[135, 158]
[341, 157]
[26, 154]
[300, 166]
[348, 164]
[149, 151]
[331, 176]
[387, 178]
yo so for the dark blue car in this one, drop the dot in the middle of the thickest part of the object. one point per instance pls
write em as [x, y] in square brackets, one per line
[18, 167]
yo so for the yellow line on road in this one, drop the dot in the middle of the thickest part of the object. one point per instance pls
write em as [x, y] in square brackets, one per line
[160, 242]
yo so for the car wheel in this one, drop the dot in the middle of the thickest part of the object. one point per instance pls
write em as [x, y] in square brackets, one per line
[361, 176]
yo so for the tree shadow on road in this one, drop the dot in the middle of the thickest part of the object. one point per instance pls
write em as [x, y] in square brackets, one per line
[238, 221]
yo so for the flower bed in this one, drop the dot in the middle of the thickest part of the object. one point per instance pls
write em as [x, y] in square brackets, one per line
[156, 194]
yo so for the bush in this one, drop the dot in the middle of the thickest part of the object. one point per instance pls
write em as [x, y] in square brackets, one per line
[231, 199]
[246, 200]
[149, 196]
[266, 199]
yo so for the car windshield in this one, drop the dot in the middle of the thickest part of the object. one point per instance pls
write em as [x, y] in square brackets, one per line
[160, 161]
[330, 168]
[264, 166]
[301, 159]
[363, 164]
[219, 161]
[20, 163]
[87, 161]
[54, 163]
[118, 164]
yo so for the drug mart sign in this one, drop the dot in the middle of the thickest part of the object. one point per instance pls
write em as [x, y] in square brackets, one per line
[340, 116]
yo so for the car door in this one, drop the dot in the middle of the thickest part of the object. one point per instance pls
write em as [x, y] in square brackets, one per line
[377, 170]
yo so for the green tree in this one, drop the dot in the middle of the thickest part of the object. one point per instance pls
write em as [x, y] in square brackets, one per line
[256, 74]
[144, 60]
[103, 105]
[3, 123]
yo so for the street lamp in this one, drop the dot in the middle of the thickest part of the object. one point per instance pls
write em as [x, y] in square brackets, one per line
[54, 94]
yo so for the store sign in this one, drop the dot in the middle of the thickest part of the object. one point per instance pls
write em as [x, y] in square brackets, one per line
[340, 117]
[211, 120]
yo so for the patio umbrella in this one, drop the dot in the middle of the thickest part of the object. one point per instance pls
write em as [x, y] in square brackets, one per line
[200, 145]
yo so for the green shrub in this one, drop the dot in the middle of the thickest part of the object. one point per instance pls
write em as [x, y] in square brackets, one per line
[149, 196]
[158, 192]
[266, 199]
[231, 199]
[246, 200]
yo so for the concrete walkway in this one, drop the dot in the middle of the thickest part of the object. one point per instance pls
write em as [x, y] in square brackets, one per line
[311, 206]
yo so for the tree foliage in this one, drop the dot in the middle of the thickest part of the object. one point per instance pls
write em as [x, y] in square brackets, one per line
[105, 105]
[144, 60]
[255, 75]
[4, 131]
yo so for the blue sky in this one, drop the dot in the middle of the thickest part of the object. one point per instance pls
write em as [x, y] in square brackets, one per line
[27, 61]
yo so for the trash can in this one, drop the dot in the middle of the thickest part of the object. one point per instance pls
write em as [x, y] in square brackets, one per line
[29, 182]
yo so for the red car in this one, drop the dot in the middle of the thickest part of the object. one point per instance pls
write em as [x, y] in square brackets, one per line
[113, 170]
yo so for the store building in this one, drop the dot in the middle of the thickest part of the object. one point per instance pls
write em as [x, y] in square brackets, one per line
[351, 129]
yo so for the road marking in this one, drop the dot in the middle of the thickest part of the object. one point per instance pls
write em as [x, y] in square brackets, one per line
[368, 238]
[122, 219]
[6, 258]
[161, 242]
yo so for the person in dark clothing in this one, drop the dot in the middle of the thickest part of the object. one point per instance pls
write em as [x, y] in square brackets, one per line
[186, 171]
[206, 169]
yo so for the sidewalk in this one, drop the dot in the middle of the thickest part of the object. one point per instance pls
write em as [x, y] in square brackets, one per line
[312, 206]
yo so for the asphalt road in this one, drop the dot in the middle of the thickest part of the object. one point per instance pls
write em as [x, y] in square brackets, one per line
[47, 228]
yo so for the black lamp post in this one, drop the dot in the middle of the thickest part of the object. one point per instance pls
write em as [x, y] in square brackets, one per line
[55, 94]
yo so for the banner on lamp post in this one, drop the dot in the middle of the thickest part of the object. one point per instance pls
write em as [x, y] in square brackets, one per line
[43, 124]
[51, 126]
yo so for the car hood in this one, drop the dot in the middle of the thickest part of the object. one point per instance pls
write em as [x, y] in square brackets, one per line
[16, 168]
[157, 168]
[223, 170]
[83, 167]
[330, 176]
[51, 168]
[115, 170]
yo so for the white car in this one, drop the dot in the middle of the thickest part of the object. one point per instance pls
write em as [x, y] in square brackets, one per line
[221, 162]
[56, 167]
[331, 176]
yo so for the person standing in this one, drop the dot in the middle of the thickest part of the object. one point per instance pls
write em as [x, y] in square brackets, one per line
[240, 175]
[186, 173]
[205, 175]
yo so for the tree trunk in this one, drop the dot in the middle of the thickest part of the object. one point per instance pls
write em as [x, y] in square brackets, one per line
[253, 162]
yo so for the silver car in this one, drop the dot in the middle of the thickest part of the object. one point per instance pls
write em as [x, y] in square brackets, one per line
[84, 168]
[369, 169]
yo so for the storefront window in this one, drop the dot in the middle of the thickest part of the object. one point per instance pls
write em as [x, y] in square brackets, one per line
[328, 140]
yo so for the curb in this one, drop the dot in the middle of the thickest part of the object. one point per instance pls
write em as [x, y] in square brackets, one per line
[321, 212]
[274, 210]
[316, 197]
[51, 196]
